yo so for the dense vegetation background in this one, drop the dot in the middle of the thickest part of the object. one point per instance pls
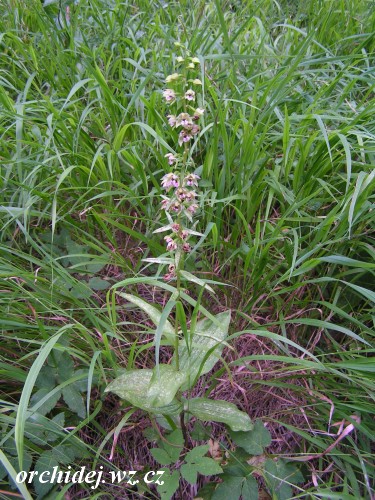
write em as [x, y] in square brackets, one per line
[287, 165]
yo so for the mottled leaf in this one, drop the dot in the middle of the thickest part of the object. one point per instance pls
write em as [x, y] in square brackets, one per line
[145, 390]
[219, 411]
[207, 346]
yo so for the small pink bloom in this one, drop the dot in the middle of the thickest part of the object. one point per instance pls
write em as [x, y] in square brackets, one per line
[190, 95]
[181, 193]
[192, 208]
[170, 180]
[184, 136]
[195, 129]
[171, 120]
[191, 180]
[186, 247]
[171, 158]
[176, 206]
[190, 195]
[165, 204]
[171, 244]
[169, 95]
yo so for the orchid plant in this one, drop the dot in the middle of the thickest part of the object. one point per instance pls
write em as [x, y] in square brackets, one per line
[165, 390]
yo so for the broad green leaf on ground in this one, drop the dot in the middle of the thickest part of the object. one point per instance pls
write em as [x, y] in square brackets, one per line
[97, 283]
[206, 347]
[170, 486]
[196, 462]
[253, 441]
[235, 487]
[74, 400]
[46, 462]
[10, 449]
[279, 474]
[48, 405]
[145, 390]
[153, 313]
[210, 410]
[170, 450]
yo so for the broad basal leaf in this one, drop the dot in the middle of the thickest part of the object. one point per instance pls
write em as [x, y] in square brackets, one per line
[207, 346]
[236, 487]
[197, 462]
[253, 441]
[171, 482]
[279, 475]
[170, 449]
[219, 411]
[149, 391]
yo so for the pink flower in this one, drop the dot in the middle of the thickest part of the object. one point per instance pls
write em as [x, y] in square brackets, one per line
[192, 208]
[171, 120]
[184, 136]
[176, 206]
[190, 95]
[195, 129]
[170, 180]
[197, 114]
[171, 244]
[165, 204]
[186, 247]
[169, 95]
[190, 195]
[191, 180]
[184, 119]
[171, 158]
[181, 193]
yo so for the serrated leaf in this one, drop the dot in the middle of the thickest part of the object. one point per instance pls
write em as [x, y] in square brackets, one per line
[74, 400]
[236, 487]
[13, 460]
[206, 492]
[97, 283]
[161, 456]
[249, 489]
[204, 465]
[65, 367]
[174, 444]
[57, 421]
[278, 473]
[189, 473]
[50, 403]
[231, 487]
[153, 313]
[134, 386]
[46, 462]
[208, 336]
[210, 410]
[46, 378]
[208, 466]
[197, 452]
[170, 486]
[253, 441]
[64, 454]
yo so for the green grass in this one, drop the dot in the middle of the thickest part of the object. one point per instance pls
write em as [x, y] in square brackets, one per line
[286, 157]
